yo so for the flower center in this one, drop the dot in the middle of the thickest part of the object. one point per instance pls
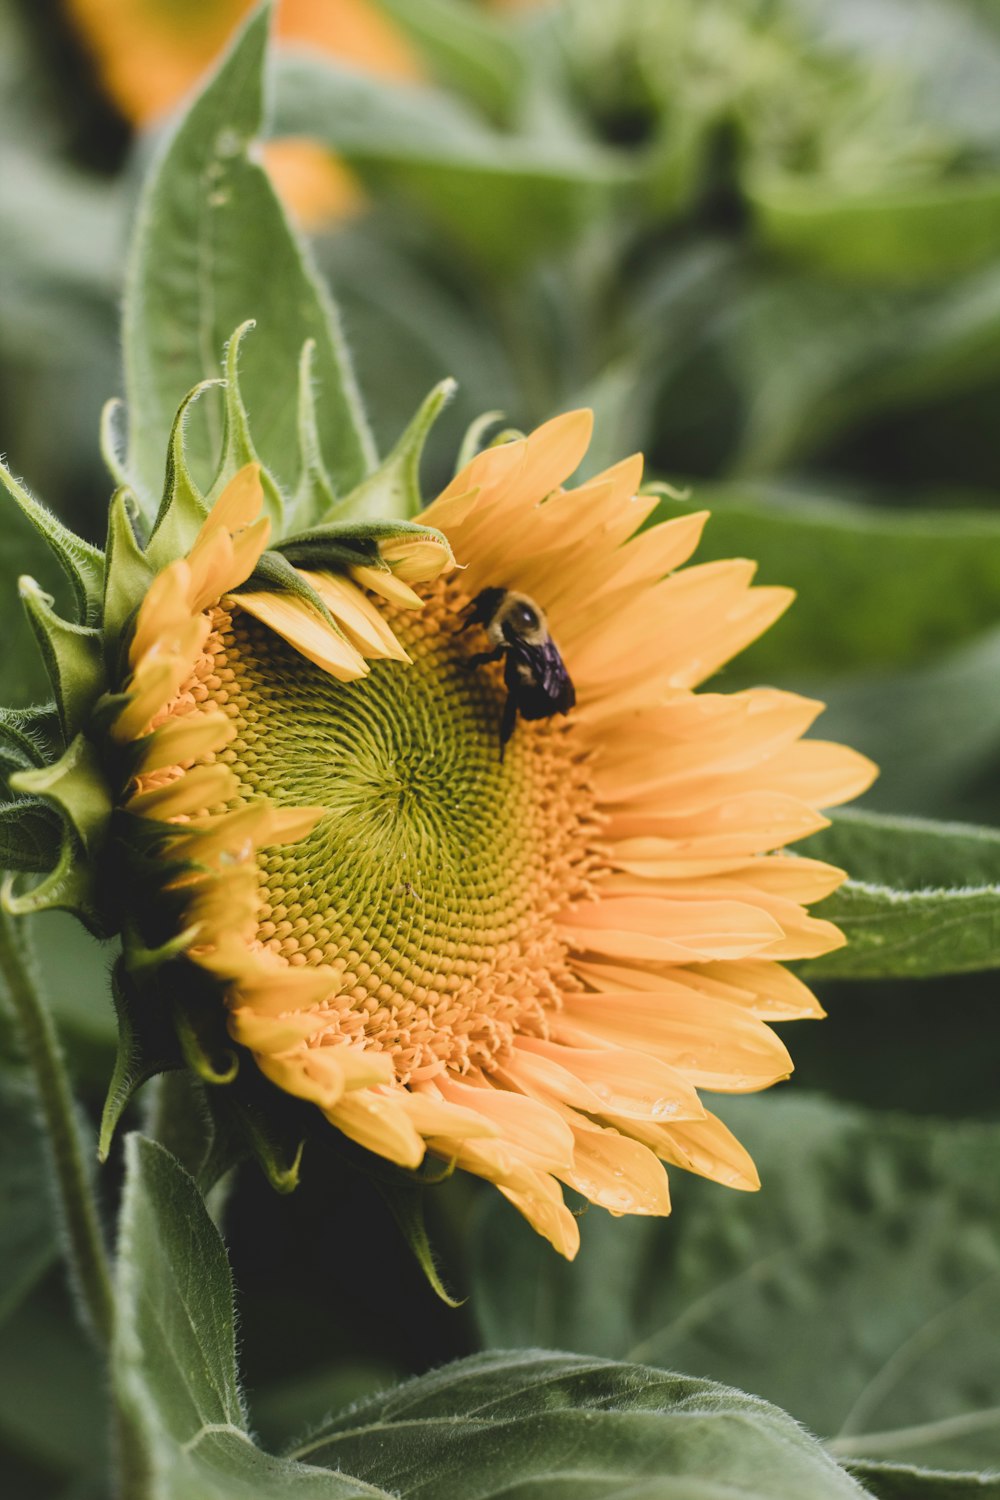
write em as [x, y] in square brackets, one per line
[432, 884]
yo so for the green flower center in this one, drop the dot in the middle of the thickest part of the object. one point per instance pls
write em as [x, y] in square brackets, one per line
[432, 885]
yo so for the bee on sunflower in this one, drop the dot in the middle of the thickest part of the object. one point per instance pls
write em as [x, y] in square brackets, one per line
[272, 766]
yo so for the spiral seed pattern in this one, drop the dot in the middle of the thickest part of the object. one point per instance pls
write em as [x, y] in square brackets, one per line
[431, 886]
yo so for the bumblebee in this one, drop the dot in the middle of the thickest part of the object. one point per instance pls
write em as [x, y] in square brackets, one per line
[538, 684]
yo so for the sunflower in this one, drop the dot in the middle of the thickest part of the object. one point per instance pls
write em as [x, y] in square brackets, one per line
[528, 964]
[288, 778]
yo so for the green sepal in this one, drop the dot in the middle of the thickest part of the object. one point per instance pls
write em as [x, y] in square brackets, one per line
[281, 1170]
[472, 443]
[349, 544]
[404, 1197]
[140, 961]
[314, 492]
[183, 508]
[237, 446]
[72, 656]
[74, 786]
[30, 835]
[110, 442]
[127, 572]
[198, 1034]
[28, 737]
[147, 1046]
[250, 1113]
[71, 886]
[204, 1140]
[82, 563]
[507, 435]
[393, 490]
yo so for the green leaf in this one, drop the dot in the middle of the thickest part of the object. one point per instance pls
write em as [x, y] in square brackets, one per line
[904, 1482]
[469, 50]
[875, 587]
[213, 249]
[490, 1426]
[527, 1424]
[27, 1230]
[859, 1290]
[889, 234]
[507, 198]
[181, 1412]
[922, 898]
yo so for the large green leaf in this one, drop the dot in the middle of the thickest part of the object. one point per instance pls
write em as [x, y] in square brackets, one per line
[860, 1290]
[212, 249]
[507, 197]
[183, 1423]
[500, 1425]
[531, 1424]
[875, 587]
[922, 898]
[904, 1482]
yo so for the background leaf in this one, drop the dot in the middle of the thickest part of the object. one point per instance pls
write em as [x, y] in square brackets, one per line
[508, 198]
[860, 1289]
[208, 225]
[921, 899]
[522, 1425]
[903, 1482]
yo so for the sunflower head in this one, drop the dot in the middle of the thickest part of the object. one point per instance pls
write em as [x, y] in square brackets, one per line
[457, 861]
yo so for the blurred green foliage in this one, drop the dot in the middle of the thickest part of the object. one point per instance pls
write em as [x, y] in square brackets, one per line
[762, 239]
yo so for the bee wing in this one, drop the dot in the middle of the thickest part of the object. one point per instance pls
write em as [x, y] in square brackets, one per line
[552, 677]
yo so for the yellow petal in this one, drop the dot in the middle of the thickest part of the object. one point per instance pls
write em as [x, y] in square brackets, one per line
[191, 792]
[186, 738]
[388, 586]
[304, 628]
[614, 1171]
[538, 1198]
[379, 1122]
[533, 1129]
[365, 627]
[714, 1045]
[667, 931]
[601, 1080]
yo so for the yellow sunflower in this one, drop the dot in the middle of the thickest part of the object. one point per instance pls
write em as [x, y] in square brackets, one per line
[528, 964]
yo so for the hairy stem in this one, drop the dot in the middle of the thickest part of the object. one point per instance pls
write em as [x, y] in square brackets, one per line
[74, 1187]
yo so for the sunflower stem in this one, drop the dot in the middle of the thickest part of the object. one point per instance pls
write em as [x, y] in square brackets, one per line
[87, 1254]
